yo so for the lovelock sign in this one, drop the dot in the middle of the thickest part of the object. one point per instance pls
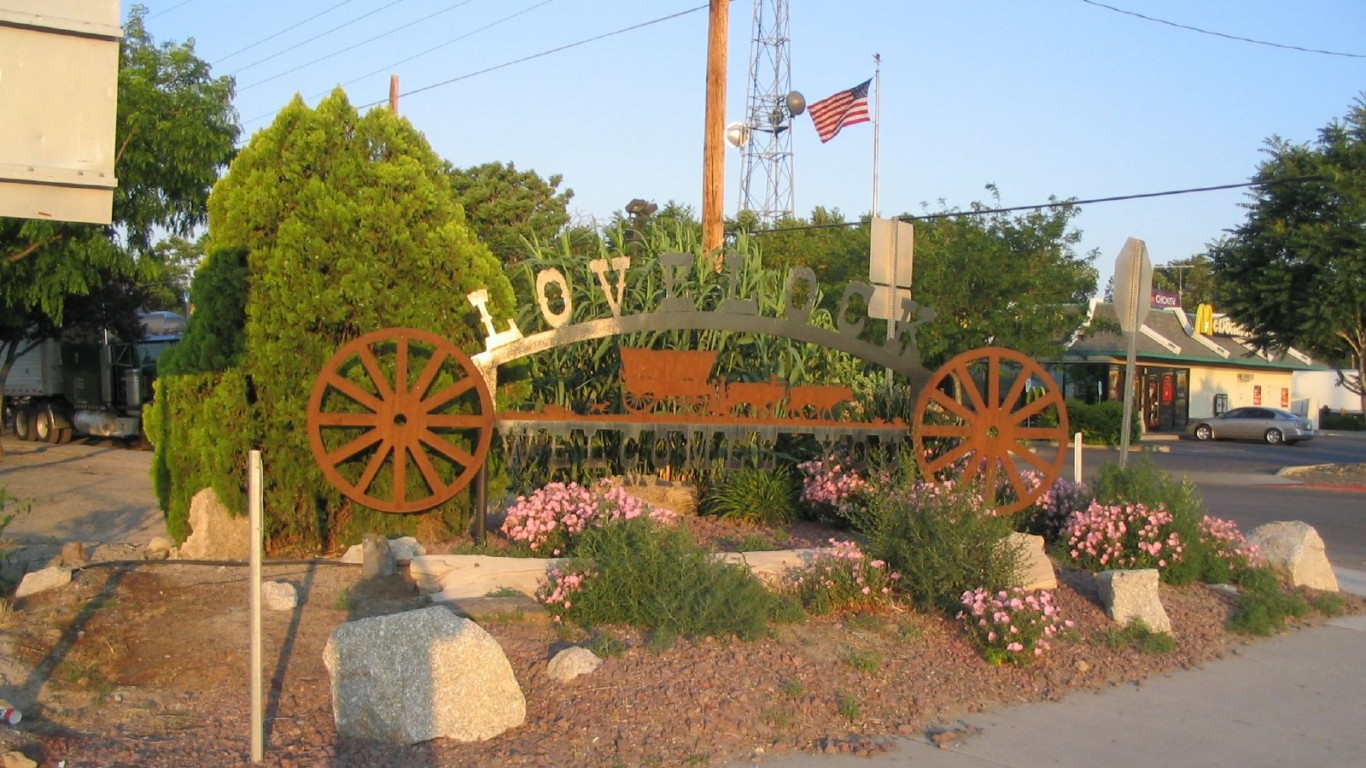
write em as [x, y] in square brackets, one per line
[401, 420]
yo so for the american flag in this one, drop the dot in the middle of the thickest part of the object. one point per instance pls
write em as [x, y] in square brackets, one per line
[844, 108]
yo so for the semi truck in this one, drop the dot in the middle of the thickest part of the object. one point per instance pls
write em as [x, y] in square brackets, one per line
[58, 389]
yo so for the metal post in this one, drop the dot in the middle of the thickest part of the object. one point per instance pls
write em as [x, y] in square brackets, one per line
[877, 119]
[481, 505]
[254, 510]
[1128, 399]
[1076, 458]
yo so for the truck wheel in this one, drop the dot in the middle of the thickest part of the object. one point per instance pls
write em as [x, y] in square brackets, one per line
[63, 436]
[23, 424]
[44, 430]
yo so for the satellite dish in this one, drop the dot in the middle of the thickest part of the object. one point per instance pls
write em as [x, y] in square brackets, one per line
[737, 135]
[796, 103]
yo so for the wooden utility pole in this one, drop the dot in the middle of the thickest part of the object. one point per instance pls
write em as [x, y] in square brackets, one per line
[713, 144]
[393, 94]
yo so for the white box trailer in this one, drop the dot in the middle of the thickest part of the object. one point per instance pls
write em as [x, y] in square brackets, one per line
[58, 389]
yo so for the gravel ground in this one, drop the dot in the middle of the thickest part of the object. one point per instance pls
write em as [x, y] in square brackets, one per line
[147, 666]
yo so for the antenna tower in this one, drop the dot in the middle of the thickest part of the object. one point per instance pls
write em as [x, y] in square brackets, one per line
[766, 163]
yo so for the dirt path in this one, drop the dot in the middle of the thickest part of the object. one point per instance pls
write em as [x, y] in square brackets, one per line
[88, 493]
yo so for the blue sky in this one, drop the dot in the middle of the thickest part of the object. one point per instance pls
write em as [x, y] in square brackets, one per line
[1046, 98]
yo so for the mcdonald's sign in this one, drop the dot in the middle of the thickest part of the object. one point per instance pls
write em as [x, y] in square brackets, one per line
[1204, 319]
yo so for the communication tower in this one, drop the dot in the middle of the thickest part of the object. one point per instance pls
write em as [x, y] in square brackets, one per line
[765, 136]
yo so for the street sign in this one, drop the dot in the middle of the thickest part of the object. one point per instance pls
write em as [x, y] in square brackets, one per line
[1133, 285]
[891, 263]
[1133, 296]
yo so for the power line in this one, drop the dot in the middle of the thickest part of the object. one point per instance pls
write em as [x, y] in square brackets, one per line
[1221, 34]
[168, 10]
[316, 37]
[522, 60]
[281, 32]
[542, 54]
[443, 45]
[1052, 204]
[354, 46]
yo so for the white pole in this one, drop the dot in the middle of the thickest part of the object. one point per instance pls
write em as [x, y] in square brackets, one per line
[1076, 458]
[254, 510]
[877, 120]
[891, 257]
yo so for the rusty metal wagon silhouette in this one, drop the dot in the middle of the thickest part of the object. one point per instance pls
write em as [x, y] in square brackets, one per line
[676, 379]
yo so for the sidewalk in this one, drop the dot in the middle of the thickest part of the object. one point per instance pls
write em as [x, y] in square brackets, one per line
[1295, 700]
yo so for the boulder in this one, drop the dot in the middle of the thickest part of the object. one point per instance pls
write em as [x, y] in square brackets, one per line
[1130, 595]
[377, 560]
[403, 549]
[420, 675]
[771, 566]
[449, 577]
[159, 548]
[53, 577]
[1035, 569]
[279, 596]
[666, 494]
[1295, 552]
[215, 534]
[572, 662]
[17, 759]
[73, 555]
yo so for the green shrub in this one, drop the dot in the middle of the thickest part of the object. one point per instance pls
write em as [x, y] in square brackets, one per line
[1137, 635]
[6, 501]
[201, 433]
[215, 336]
[1329, 604]
[760, 496]
[942, 541]
[1342, 421]
[1099, 423]
[1263, 606]
[655, 577]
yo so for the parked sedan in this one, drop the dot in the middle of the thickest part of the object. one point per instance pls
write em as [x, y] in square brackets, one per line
[1272, 425]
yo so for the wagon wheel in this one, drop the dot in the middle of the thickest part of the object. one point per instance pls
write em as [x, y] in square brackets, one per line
[400, 420]
[986, 427]
[639, 402]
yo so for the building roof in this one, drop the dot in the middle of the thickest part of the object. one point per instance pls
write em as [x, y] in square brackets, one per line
[1169, 336]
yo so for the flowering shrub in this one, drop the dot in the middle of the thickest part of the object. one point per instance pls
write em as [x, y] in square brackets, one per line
[548, 519]
[1050, 513]
[1229, 542]
[842, 577]
[1106, 537]
[831, 484]
[561, 586]
[1011, 626]
[1226, 551]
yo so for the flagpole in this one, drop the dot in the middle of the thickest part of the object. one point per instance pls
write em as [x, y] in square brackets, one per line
[877, 119]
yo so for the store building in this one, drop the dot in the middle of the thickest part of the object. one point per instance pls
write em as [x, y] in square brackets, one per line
[1180, 373]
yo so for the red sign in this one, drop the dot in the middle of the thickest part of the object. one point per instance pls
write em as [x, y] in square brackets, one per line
[1167, 394]
[1257, 394]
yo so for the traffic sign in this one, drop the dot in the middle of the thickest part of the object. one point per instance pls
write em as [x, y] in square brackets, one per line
[1133, 285]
